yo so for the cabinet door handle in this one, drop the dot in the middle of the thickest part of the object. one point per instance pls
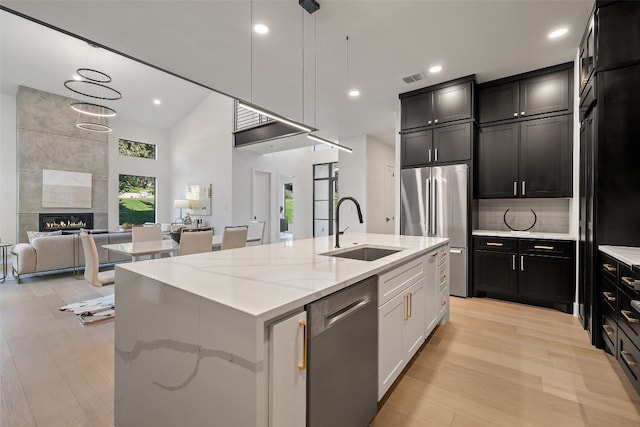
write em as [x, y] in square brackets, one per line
[521, 262]
[513, 262]
[629, 281]
[629, 316]
[515, 188]
[494, 244]
[406, 307]
[610, 268]
[436, 154]
[429, 155]
[607, 330]
[609, 296]
[410, 305]
[303, 365]
[524, 192]
[548, 248]
[627, 359]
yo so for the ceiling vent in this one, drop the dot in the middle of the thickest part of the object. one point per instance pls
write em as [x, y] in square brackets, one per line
[414, 78]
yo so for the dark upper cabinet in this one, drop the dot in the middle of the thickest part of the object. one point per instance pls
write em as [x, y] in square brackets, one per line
[497, 160]
[452, 103]
[545, 168]
[417, 148]
[548, 93]
[452, 143]
[617, 34]
[526, 159]
[417, 111]
[436, 105]
[440, 145]
[587, 54]
[539, 94]
[498, 102]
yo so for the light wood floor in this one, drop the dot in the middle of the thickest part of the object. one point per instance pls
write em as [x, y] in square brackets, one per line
[494, 364]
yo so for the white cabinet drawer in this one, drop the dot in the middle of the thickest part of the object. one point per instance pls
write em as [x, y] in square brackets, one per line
[442, 277]
[444, 301]
[395, 281]
[443, 254]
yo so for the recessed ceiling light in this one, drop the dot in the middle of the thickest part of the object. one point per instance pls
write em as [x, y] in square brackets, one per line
[261, 29]
[157, 101]
[435, 69]
[354, 92]
[77, 78]
[558, 33]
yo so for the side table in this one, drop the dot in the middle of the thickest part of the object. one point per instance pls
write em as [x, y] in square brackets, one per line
[3, 259]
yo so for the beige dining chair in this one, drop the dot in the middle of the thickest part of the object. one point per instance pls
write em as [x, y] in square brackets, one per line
[195, 242]
[146, 234]
[92, 271]
[234, 237]
[255, 233]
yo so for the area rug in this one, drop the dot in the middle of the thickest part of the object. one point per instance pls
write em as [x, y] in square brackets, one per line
[93, 310]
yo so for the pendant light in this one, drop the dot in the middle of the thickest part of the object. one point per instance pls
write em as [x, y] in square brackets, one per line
[92, 83]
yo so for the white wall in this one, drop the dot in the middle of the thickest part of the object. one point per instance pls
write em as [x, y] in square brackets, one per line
[8, 173]
[159, 168]
[201, 153]
[362, 176]
[297, 163]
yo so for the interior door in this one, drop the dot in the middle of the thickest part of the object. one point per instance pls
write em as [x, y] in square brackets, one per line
[261, 201]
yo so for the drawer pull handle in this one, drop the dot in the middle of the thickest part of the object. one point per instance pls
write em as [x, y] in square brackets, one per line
[609, 296]
[443, 277]
[610, 268]
[548, 248]
[434, 255]
[444, 302]
[628, 316]
[495, 244]
[628, 281]
[607, 330]
[627, 359]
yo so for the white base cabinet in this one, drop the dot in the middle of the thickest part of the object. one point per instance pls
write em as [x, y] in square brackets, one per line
[287, 373]
[412, 302]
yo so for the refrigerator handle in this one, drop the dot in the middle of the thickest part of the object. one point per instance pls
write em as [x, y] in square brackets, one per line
[434, 205]
[427, 209]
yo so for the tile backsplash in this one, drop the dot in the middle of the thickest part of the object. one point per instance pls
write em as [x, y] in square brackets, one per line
[552, 214]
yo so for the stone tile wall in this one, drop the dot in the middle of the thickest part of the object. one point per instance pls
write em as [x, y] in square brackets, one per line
[552, 214]
[49, 139]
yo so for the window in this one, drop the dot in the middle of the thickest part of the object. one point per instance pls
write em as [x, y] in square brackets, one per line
[136, 149]
[137, 199]
[325, 198]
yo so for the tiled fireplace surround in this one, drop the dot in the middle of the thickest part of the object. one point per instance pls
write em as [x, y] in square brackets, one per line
[552, 214]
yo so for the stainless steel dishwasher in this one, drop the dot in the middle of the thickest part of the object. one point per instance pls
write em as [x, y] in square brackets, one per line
[342, 376]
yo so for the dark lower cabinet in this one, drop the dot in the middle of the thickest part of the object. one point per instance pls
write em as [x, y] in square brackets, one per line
[619, 319]
[537, 272]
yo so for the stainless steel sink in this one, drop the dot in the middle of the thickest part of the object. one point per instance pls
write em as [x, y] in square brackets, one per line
[364, 252]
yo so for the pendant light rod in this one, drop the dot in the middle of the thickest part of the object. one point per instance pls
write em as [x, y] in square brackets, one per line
[328, 142]
[275, 116]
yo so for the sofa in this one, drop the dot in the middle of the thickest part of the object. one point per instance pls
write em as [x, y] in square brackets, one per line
[50, 253]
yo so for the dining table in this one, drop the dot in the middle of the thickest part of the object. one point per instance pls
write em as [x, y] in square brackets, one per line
[152, 248]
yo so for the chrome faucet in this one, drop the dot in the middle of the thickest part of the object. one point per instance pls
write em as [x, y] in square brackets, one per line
[338, 216]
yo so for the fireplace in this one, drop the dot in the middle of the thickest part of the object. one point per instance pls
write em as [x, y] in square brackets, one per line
[65, 221]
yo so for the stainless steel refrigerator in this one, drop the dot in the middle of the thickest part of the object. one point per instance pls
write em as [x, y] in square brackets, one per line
[434, 202]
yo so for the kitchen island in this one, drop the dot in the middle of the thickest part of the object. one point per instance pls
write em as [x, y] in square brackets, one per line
[193, 333]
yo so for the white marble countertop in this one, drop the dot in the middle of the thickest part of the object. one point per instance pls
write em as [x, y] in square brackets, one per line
[626, 254]
[525, 234]
[269, 280]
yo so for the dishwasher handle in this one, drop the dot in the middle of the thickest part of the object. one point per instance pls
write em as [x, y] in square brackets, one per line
[345, 311]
